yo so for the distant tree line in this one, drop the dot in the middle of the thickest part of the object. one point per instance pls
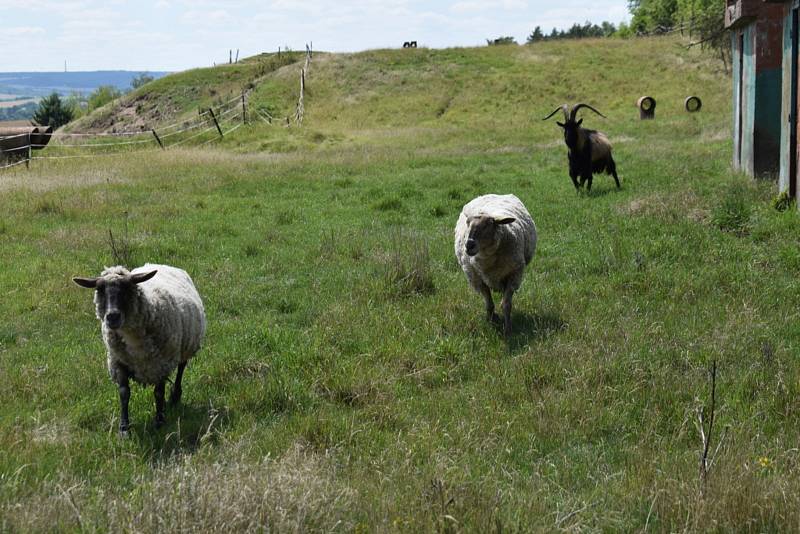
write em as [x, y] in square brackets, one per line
[579, 31]
[703, 20]
[576, 31]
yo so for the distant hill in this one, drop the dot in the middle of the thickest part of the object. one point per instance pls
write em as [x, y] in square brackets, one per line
[44, 83]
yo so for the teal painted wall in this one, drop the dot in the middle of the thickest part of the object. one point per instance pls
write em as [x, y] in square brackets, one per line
[757, 101]
[767, 123]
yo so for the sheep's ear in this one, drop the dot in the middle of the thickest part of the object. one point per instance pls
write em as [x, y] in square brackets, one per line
[560, 124]
[138, 278]
[88, 283]
[505, 220]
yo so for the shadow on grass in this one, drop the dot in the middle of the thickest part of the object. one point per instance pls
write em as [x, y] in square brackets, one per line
[600, 191]
[528, 328]
[188, 427]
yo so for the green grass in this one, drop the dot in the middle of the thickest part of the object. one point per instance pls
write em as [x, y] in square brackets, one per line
[349, 380]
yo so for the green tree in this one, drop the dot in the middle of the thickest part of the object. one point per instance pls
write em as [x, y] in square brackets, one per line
[536, 35]
[141, 80]
[508, 40]
[77, 104]
[53, 112]
[102, 96]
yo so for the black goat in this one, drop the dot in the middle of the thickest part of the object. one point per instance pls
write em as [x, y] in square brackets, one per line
[589, 150]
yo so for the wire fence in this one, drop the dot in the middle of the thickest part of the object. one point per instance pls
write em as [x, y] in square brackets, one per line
[211, 124]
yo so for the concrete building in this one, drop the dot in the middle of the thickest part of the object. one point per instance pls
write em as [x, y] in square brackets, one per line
[757, 44]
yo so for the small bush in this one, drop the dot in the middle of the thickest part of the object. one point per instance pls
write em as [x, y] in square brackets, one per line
[49, 207]
[438, 211]
[389, 204]
[733, 213]
[122, 249]
[782, 202]
[408, 266]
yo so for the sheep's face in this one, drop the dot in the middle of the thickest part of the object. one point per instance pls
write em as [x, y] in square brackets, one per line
[483, 235]
[114, 295]
[571, 129]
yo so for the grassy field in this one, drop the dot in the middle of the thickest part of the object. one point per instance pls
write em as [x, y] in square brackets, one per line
[349, 382]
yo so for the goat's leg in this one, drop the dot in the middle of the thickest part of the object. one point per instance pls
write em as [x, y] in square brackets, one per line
[158, 393]
[175, 396]
[123, 383]
[612, 166]
[508, 295]
[487, 298]
[587, 178]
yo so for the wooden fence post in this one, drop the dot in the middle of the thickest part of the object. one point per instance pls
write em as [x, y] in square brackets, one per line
[244, 110]
[28, 160]
[157, 139]
[214, 118]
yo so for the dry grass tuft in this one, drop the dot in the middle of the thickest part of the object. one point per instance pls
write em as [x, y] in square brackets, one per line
[667, 206]
[298, 492]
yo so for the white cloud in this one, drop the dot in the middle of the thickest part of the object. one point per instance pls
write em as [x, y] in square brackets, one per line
[22, 31]
[177, 34]
[468, 6]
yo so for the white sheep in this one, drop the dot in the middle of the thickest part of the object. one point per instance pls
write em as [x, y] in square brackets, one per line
[495, 238]
[152, 321]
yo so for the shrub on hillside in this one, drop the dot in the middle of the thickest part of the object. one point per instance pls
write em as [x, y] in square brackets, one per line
[102, 96]
[52, 111]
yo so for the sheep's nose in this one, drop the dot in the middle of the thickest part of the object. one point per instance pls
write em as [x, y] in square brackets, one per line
[472, 247]
[114, 319]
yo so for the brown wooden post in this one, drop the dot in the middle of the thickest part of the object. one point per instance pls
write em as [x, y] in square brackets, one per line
[244, 110]
[230, 57]
[28, 161]
[214, 117]
[237, 55]
[157, 139]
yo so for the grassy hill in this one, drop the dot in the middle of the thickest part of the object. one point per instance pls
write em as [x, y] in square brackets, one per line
[348, 380]
[178, 96]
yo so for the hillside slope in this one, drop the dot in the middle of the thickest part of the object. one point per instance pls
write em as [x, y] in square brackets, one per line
[179, 96]
[498, 92]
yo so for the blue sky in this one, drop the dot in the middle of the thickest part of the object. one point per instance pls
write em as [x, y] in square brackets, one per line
[180, 34]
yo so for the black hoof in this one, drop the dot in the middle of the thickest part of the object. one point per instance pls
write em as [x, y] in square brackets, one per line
[175, 398]
[159, 421]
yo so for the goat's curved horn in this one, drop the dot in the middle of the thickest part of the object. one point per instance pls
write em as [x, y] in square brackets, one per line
[562, 107]
[582, 105]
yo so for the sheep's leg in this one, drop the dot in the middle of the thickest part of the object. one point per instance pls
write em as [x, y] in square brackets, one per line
[124, 397]
[487, 298]
[175, 396]
[508, 295]
[575, 181]
[158, 392]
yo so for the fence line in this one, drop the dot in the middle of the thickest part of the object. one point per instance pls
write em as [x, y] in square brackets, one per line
[20, 162]
[217, 117]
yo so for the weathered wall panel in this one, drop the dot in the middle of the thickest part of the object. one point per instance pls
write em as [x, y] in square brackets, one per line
[786, 101]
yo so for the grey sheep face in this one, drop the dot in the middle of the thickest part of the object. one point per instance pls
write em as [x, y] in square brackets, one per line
[483, 234]
[114, 295]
